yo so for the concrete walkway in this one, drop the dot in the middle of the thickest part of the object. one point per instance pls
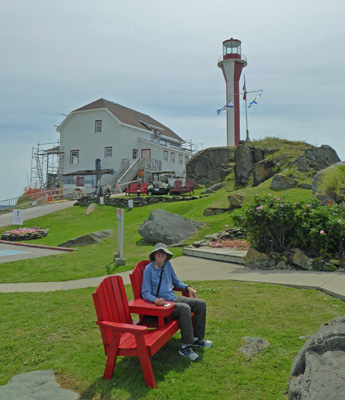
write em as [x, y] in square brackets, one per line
[200, 269]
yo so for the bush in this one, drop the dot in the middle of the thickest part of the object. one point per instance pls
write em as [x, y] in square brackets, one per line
[274, 224]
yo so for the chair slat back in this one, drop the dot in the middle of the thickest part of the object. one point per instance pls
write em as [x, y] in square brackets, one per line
[111, 302]
[136, 278]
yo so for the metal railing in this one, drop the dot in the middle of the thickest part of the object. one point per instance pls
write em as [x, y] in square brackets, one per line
[243, 57]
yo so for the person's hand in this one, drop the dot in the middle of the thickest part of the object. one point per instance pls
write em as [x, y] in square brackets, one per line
[159, 302]
[191, 291]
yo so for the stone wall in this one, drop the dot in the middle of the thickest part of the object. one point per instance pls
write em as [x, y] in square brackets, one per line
[122, 202]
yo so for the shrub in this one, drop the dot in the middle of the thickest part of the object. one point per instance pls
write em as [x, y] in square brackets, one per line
[274, 224]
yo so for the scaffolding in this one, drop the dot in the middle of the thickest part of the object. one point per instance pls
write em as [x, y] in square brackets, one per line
[46, 166]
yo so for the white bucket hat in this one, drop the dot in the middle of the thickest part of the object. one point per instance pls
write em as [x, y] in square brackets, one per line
[163, 247]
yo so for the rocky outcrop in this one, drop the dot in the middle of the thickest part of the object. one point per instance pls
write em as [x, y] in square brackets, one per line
[165, 227]
[316, 159]
[210, 165]
[85, 240]
[250, 162]
[318, 370]
[244, 164]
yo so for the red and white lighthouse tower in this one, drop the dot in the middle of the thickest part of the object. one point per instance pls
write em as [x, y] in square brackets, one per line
[231, 63]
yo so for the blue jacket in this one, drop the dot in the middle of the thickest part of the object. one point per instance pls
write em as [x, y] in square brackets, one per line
[151, 280]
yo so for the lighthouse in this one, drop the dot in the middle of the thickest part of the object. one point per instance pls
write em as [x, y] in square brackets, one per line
[231, 64]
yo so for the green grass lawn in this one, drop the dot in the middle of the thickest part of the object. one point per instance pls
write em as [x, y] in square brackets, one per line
[57, 330]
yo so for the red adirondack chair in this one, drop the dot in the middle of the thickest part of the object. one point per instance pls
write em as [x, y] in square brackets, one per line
[143, 188]
[133, 189]
[123, 338]
[136, 277]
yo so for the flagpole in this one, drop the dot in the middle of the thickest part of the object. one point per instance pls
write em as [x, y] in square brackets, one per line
[245, 99]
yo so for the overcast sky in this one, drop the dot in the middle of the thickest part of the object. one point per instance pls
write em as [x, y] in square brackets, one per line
[160, 58]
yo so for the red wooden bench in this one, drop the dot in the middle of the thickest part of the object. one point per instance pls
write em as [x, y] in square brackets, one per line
[121, 337]
[178, 188]
[133, 189]
[136, 277]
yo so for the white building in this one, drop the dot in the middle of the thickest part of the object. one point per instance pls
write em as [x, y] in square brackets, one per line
[108, 143]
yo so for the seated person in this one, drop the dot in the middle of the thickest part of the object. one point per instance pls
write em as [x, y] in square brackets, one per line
[158, 281]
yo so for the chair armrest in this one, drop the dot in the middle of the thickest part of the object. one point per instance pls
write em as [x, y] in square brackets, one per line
[116, 326]
[140, 306]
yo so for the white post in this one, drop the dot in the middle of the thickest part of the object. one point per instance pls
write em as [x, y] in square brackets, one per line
[118, 257]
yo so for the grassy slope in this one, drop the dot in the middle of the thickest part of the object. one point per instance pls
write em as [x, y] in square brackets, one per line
[97, 259]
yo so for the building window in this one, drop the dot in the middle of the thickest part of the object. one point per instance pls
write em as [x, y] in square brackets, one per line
[180, 159]
[165, 156]
[108, 152]
[98, 126]
[172, 157]
[186, 158]
[80, 181]
[74, 157]
[134, 154]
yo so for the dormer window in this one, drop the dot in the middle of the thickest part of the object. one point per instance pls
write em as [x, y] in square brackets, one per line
[98, 126]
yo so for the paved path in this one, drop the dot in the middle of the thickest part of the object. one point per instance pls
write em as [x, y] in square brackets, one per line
[34, 212]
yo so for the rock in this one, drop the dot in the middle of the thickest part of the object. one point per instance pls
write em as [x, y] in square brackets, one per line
[318, 370]
[263, 171]
[304, 185]
[35, 385]
[213, 188]
[325, 199]
[302, 261]
[215, 211]
[210, 165]
[85, 240]
[254, 345]
[244, 164]
[281, 182]
[163, 226]
[235, 200]
[256, 260]
[90, 209]
[318, 176]
[317, 158]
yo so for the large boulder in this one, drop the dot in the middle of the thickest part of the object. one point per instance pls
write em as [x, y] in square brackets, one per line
[317, 158]
[319, 176]
[281, 182]
[165, 227]
[318, 370]
[210, 165]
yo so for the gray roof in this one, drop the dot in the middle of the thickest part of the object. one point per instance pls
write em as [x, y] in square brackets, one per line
[130, 117]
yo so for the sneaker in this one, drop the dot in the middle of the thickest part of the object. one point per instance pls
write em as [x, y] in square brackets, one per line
[188, 353]
[202, 343]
